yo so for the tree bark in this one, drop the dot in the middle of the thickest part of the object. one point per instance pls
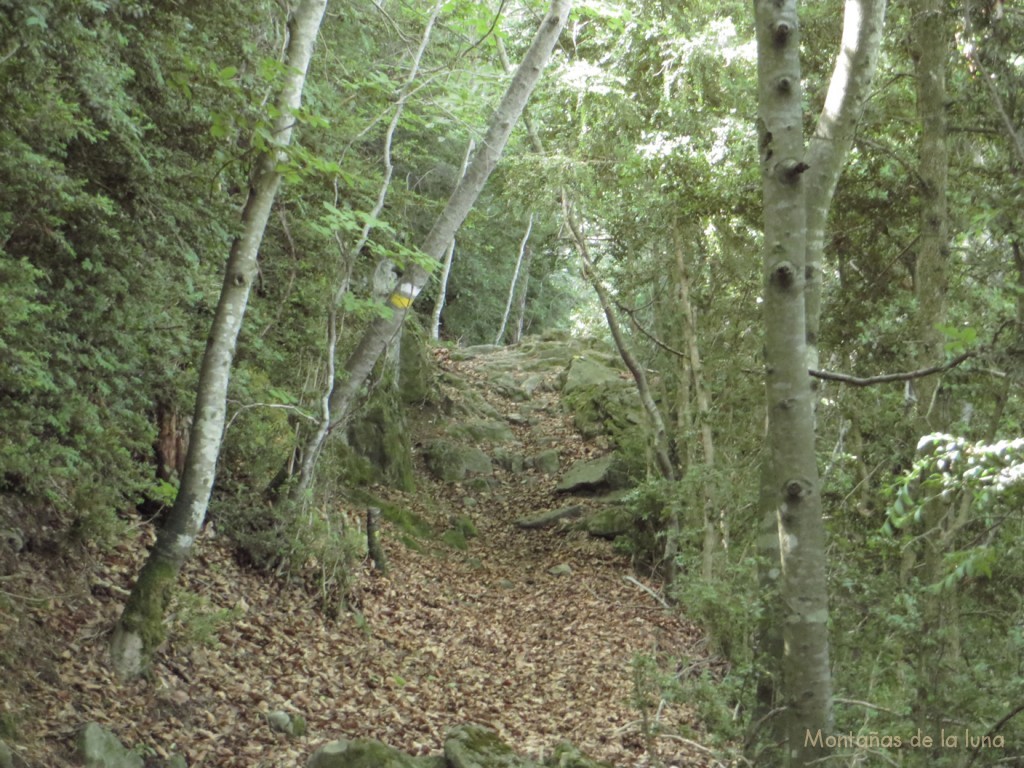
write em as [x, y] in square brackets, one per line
[364, 357]
[446, 267]
[829, 146]
[515, 281]
[309, 455]
[818, 176]
[712, 527]
[140, 629]
[522, 292]
[793, 491]
[939, 641]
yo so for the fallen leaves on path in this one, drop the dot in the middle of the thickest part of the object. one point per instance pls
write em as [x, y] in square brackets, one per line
[486, 636]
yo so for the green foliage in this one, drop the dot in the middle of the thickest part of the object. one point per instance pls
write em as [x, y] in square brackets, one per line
[649, 506]
[196, 621]
[984, 479]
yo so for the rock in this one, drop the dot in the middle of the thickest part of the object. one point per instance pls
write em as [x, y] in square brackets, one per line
[509, 460]
[473, 746]
[99, 748]
[547, 462]
[452, 462]
[472, 353]
[605, 403]
[506, 385]
[367, 753]
[550, 517]
[484, 431]
[176, 761]
[609, 523]
[293, 725]
[606, 471]
[568, 756]
[562, 569]
[6, 756]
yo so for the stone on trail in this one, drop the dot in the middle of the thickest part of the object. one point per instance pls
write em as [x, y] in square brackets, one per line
[367, 753]
[596, 473]
[99, 748]
[474, 746]
[550, 517]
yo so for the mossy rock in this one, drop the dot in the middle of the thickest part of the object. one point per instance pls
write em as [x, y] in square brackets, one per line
[474, 746]
[367, 753]
[452, 462]
[546, 462]
[566, 755]
[416, 369]
[99, 748]
[610, 471]
[381, 435]
[510, 461]
[482, 431]
[609, 523]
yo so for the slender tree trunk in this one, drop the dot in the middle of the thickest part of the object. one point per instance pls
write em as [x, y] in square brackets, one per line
[309, 455]
[515, 281]
[140, 629]
[939, 639]
[662, 445]
[829, 146]
[662, 451]
[793, 492]
[521, 295]
[364, 357]
[446, 267]
[696, 374]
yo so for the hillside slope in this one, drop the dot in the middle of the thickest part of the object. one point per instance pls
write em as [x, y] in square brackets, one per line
[489, 634]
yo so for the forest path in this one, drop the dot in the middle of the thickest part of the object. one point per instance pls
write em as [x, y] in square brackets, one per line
[486, 635]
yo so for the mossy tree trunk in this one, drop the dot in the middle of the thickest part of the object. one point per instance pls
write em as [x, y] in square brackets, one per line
[140, 629]
[939, 639]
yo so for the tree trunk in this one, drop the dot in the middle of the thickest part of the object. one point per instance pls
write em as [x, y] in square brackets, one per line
[939, 639]
[364, 357]
[793, 492]
[140, 629]
[515, 281]
[521, 295]
[829, 146]
[446, 267]
[309, 455]
[662, 451]
[712, 526]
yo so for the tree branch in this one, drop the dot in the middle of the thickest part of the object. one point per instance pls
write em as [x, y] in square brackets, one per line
[630, 313]
[886, 378]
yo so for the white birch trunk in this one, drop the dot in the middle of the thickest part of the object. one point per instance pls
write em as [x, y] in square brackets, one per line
[140, 629]
[515, 281]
